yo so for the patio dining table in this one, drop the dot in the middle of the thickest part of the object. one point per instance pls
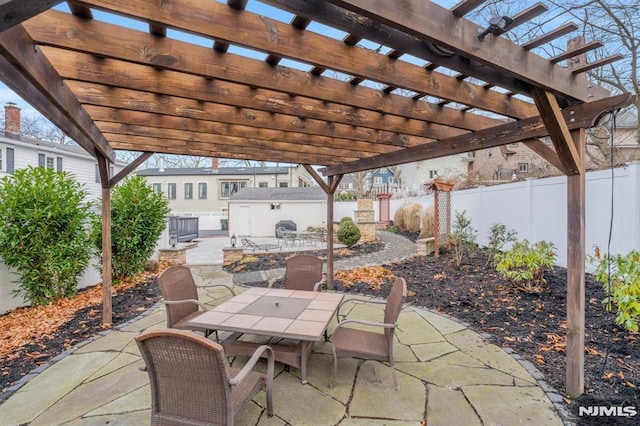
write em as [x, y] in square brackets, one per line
[297, 315]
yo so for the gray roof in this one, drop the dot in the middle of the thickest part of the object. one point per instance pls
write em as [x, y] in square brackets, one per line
[199, 171]
[311, 193]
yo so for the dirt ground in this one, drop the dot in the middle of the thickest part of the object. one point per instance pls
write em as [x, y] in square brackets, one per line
[533, 325]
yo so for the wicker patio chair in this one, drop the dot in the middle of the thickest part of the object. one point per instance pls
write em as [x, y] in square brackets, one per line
[181, 298]
[192, 383]
[349, 342]
[303, 272]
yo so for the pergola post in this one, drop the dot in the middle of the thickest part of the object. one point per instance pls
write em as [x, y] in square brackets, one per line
[329, 189]
[106, 240]
[575, 271]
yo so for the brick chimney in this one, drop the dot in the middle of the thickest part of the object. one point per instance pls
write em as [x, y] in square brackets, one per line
[12, 121]
[214, 163]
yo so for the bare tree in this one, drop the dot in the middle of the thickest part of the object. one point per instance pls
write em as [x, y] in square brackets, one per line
[614, 23]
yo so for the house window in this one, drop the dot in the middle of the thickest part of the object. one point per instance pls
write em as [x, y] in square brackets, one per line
[157, 188]
[377, 180]
[263, 184]
[46, 161]
[344, 186]
[384, 171]
[202, 190]
[6, 160]
[433, 174]
[171, 191]
[275, 206]
[58, 164]
[188, 191]
[228, 188]
[283, 184]
[523, 168]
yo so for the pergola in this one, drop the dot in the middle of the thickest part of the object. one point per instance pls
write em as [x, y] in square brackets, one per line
[379, 83]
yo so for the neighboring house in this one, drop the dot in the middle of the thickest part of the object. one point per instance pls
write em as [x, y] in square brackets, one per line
[17, 152]
[204, 192]
[256, 211]
[627, 138]
[382, 180]
[418, 175]
[347, 185]
[509, 162]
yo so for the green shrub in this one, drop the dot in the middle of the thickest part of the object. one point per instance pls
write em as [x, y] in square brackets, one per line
[138, 217]
[345, 219]
[43, 233]
[498, 238]
[345, 196]
[526, 265]
[463, 238]
[348, 232]
[620, 276]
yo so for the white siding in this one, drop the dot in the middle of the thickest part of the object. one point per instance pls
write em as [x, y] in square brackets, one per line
[263, 219]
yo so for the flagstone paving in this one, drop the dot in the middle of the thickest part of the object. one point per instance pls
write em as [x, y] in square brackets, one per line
[448, 375]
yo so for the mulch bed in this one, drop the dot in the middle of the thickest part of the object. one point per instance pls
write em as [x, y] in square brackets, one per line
[30, 337]
[533, 325]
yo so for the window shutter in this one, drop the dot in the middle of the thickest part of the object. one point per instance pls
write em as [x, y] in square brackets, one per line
[10, 161]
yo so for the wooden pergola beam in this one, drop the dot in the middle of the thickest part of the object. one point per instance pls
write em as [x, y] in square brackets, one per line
[578, 116]
[146, 79]
[14, 12]
[24, 61]
[182, 147]
[126, 170]
[195, 139]
[268, 126]
[122, 44]
[215, 20]
[549, 36]
[553, 119]
[432, 23]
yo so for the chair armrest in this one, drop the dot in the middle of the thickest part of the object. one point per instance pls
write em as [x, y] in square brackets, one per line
[252, 362]
[227, 286]
[362, 302]
[318, 286]
[179, 302]
[363, 322]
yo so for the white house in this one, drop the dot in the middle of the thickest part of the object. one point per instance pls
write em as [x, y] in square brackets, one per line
[205, 191]
[256, 211]
[17, 153]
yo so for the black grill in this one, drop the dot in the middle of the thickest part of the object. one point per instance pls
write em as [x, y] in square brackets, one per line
[285, 225]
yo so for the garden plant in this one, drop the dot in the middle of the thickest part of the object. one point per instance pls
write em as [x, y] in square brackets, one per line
[525, 264]
[463, 238]
[348, 232]
[620, 276]
[43, 232]
[138, 217]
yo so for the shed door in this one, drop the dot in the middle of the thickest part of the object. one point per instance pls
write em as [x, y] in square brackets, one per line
[244, 221]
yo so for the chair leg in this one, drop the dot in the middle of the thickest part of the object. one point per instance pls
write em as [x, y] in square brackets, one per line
[393, 375]
[335, 367]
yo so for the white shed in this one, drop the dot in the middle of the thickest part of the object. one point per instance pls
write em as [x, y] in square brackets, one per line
[255, 211]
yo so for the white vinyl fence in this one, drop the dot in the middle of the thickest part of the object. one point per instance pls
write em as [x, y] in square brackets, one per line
[537, 210]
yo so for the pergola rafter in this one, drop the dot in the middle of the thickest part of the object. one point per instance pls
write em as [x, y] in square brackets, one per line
[429, 89]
